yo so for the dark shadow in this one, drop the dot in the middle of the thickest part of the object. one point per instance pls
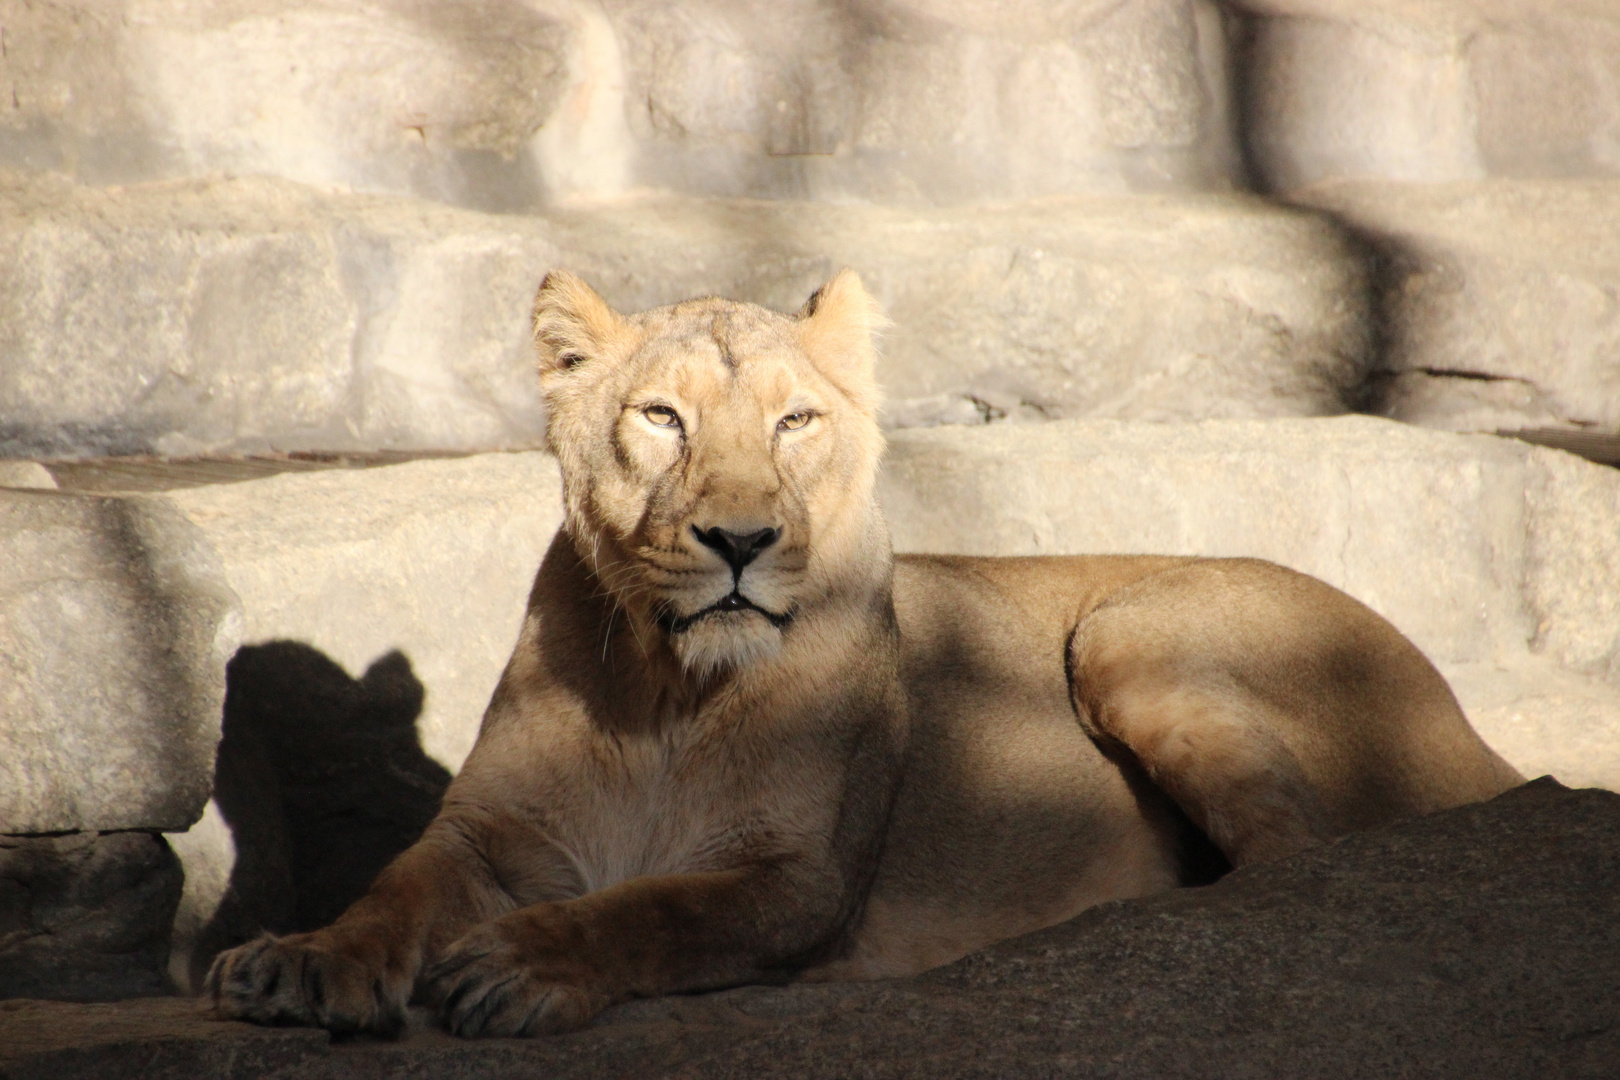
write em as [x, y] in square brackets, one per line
[1199, 860]
[322, 781]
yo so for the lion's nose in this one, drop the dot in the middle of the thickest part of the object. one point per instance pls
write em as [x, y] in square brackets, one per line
[738, 549]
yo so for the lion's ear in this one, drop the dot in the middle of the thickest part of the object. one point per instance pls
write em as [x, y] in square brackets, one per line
[838, 327]
[571, 323]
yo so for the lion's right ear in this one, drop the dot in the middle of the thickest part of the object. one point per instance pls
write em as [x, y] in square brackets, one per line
[571, 323]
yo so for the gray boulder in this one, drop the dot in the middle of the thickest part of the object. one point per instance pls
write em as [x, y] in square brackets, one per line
[256, 314]
[1469, 544]
[115, 625]
[25, 474]
[430, 560]
[1475, 942]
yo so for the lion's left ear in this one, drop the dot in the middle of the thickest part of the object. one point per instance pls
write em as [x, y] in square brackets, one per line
[838, 327]
[572, 324]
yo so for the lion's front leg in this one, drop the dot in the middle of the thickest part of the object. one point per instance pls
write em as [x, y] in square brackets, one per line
[358, 973]
[551, 967]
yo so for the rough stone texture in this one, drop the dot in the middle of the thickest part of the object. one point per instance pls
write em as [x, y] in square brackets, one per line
[921, 101]
[1429, 90]
[251, 314]
[1489, 553]
[1572, 569]
[501, 104]
[1498, 299]
[431, 560]
[255, 314]
[115, 625]
[25, 474]
[1477, 942]
[1543, 718]
[86, 917]
[442, 100]
[151, 1039]
[1431, 529]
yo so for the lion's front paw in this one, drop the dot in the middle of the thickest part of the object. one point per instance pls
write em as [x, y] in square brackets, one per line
[309, 979]
[498, 981]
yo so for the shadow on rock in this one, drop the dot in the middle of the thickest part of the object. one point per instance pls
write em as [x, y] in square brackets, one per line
[322, 781]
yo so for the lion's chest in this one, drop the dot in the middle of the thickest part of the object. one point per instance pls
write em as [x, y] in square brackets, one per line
[645, 807]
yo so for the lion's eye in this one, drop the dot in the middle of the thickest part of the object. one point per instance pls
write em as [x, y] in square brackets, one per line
[793, 421]
[662, 416]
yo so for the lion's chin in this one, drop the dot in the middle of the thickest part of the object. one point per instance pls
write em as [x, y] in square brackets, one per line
[726, 641]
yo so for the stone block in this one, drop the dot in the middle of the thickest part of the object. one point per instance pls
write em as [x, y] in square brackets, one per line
[442, 100]
[924, 101]
[431, 560]
[253, 314]
[1498, 299]
[508, 105]
[1426, 528]
[115, 625]
[1543, 718]
[257, 314]
[1429, 90]
[86, 917]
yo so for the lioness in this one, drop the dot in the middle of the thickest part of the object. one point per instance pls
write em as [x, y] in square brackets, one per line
[740, 741]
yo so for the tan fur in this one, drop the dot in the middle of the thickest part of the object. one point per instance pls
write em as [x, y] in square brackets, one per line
[739, 741]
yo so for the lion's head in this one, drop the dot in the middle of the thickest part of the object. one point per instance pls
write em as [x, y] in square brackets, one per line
[718, 460]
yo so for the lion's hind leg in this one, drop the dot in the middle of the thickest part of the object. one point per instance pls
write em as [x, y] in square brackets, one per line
[1275, 710]
[1217, 756]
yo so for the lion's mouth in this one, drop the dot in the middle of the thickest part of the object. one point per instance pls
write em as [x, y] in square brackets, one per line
[734, 601]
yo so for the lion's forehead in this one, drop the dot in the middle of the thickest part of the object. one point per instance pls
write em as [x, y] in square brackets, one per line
[763, 369]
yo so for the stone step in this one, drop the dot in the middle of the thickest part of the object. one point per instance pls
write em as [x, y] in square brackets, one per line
[1476, 547]
[508, 105]
[1498, 300]
[251, 315]
[1429, 90]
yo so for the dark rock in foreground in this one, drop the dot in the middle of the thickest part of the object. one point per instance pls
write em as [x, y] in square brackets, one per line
[85, 916]
[1481, 942]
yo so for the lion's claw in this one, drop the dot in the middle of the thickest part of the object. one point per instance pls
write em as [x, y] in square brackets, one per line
[303, 980]
[484, 988]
